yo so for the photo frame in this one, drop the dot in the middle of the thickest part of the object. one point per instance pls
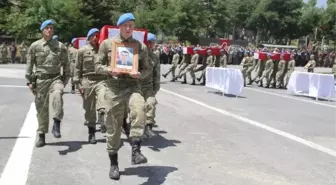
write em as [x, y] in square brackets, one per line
[125, 57]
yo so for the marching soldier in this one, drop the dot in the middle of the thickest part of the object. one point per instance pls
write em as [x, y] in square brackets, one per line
[47, 56]
[123, 93]
[310, 66]
[150, 86]
[191, 67]
[90, 83]
[176, 59]
[4, 53]
[290, 69]
[210, 61]
[183, 65]
[72, 52]
[251, 66]
[280, 74]
[245, 63]
[269, 66]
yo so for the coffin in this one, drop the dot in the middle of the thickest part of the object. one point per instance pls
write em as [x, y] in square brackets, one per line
[79, 42]
[109, 31]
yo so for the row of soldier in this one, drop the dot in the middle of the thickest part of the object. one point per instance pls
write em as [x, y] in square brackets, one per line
[8, 53]
[114, 95]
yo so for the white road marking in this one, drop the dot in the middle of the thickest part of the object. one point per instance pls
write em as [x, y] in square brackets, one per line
[14, 86]
[259, 125]
[290, 97]
[17, 167]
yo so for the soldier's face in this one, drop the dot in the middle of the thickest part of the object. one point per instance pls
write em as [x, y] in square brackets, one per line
[123, 57]
[151, 45]
[94, 39]
[126, 29]
[48, 31]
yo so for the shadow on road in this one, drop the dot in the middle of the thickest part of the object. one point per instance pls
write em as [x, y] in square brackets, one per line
[227, 95]
[159, 142]
[156, 174]
[73, 146]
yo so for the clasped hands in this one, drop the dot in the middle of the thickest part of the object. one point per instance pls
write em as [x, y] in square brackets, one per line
[117, 72]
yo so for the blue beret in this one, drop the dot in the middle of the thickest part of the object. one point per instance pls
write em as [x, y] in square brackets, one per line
[209, 51]
[269, 54]
[73, 40]
[46, 23]
[91, 32]
[151, 37]
[55, 37]
[195, 49]
[124, 18]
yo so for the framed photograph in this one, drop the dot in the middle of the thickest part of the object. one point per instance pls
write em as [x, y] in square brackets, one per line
[125, 57]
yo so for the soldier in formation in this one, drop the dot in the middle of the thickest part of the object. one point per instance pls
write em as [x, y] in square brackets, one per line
[4, 53]
[72, 52]
[45, 58]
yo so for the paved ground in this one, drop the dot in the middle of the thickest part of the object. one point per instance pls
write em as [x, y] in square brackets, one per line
[264, 137]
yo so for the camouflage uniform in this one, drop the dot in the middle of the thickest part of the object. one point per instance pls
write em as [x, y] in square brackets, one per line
[176, 59]
[290, 69]
[72, 58]
[48, 57]
[191, 67]
[91, 83]
[123, 93]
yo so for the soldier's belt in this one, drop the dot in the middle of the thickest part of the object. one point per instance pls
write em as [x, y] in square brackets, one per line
[94, 77]
[47, 76]
[122, 83]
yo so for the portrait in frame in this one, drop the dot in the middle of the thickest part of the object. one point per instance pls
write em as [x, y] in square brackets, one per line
[125, 57]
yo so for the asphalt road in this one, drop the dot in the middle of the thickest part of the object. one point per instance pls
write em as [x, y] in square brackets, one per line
[264, 137]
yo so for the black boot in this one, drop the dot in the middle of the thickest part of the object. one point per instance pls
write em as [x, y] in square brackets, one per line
[101, 120]
[193, 82]
[114, 168]
[126, 128]
[92, 135]
[164, 75]
[137, 157]
[56, 130]
[41, 141]
[149, 131]
[73, 89]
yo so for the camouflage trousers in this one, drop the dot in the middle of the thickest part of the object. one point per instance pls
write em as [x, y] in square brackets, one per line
[93, 99]
[287, 76]
[182, 68]
[45, 89]
[191, 69]
[203, 69]
[172, 70]
[120, 97]
[266, 78]
[244, 71]
[72, 71]
[280, 78]
[149, 96]
[249, 73]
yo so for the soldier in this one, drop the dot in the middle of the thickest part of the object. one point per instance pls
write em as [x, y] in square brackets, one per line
[191, 67]
[48, 57]
[223, 59]
[55, 37]
[72, 52]
[290, 69]
[280, 74]
[183, 65]
[123, 92]
[4, 53]
[245, 63]
[23, 53]
[150, 86]
[90, 83]
[310, 66]
[176, 59]
[251, 66]
[210, 61]
[269, 66]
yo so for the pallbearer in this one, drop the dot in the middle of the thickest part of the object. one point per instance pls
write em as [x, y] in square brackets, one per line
[90, 83]
[123, 91]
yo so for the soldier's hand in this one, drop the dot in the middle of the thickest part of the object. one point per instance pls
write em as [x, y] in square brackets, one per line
[114, 72]
[30, 86]
[81, 90]
[134, 74]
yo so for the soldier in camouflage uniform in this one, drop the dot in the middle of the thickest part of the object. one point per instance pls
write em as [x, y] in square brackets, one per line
[176, 59]
[290, 69]
[183, 65]
[47, 57]
[281, 72]
[245, 63]
[266, 76]
[310, 66]
[72, 52]
[223, 59]
[210, 62]
[23, 53]
[123, 93]
[191, 68]
[150, 86]
[251, 66]
[3, 53]
[90, 83]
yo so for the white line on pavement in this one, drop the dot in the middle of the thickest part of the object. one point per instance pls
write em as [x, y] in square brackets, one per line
[14, 86]
[257, 124]
[293, 98]
[17, 167]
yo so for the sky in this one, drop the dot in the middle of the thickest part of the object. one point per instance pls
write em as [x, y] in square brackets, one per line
[320, 3]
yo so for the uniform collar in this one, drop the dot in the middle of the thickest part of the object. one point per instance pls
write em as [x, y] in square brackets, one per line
[45, 42]
[125, 40]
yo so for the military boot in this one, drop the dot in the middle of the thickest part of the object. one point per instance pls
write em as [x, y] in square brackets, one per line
[73, 89]
[149, 131]
[92, 135]
[184, 81]
[193, 82]
[56, 130]
[126, 128]
[41, 141]
[102, 122]
[114, 168]
[137, 157]
[164, 75]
